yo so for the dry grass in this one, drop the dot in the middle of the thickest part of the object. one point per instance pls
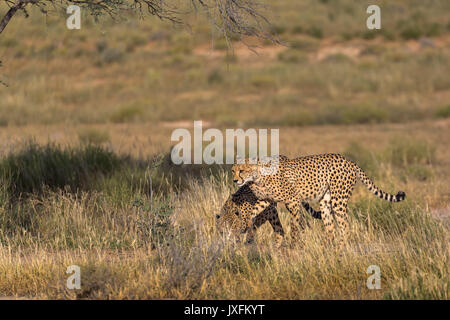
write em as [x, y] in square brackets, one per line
[128, 248]
[410, 247]
[101, 103]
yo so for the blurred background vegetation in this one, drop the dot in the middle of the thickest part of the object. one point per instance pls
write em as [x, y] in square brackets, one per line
[333, 70]
[86, 176]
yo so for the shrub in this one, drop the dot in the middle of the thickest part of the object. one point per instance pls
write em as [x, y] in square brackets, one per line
[36, 167]
[337, 58]
[348, 36]
[369, 34]
[443, 112]
[298, 118]
[411, 32]
[221, 45]
[134, 41]
[127, 114]
[315, 32]
[278, 29]
[390, 36]
[353, 114]
[101, 46]
[215, 76]
[9, 42]
[298, 29]
[263, 81]
[230, 58]
[292, 56]
[373, 50]
[364, 114]
[432, 29]
[304, 44]
[111, 55]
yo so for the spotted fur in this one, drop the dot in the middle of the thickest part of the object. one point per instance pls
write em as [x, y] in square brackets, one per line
[327, 178]
[236, 215]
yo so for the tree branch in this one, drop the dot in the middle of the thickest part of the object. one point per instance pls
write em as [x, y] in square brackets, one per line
[19, 5]
[230, 17]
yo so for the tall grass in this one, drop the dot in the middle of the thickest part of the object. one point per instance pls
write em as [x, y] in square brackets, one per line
[35, 167]
[194, 262]
[145, 245]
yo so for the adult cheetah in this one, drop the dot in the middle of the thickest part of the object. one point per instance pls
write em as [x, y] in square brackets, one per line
[236, 213]
[327, 178]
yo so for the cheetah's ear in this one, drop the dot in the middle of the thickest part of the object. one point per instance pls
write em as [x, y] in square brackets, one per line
[253, 160]
[270, 167]
[271, 160]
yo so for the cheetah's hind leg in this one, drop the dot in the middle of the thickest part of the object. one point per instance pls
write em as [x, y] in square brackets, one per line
[327, 216]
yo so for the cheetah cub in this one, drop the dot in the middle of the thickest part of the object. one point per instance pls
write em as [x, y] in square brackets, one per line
[327, 178]
[236, 212]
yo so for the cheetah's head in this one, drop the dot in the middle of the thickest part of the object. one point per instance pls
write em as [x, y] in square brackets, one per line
[228, 220]
[245, 172]
[252, 171]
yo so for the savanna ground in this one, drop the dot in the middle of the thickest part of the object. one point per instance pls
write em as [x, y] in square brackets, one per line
[85, 126]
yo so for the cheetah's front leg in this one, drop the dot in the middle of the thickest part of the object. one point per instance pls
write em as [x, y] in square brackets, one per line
[258, 207]
[269, 214]
[297, 220]
[275, 222]
[257, 222]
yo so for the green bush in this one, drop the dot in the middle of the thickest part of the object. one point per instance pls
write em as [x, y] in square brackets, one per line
[443, 112]
[353, 114]
[315, 32]
[304, 44]
[111, 55]
[369, 34]
[412, 31]
[279, 29]
[364, 114]
[432, 29]
[337, 58]
[134, 41]
[101, 46]
[298, 118]
[35, 167]
[127, 114]
[292, 56]
[298, 29]
[263, 81]
[221, 44]
[9, 42]
[215, 76]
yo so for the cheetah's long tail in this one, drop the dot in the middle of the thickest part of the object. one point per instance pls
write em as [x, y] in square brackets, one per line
[400, 196]
[315, 214]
